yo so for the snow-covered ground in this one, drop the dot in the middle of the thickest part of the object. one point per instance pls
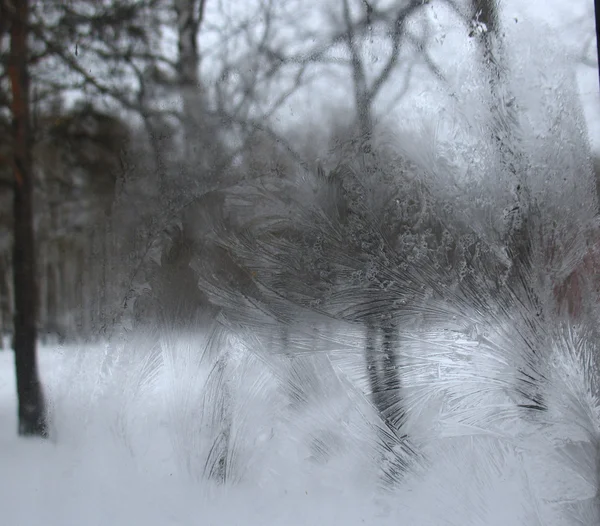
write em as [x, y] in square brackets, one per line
[134, 423]
[131, 436]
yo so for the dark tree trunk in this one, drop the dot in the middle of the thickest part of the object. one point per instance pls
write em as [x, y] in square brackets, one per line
[391, 382]
[597, 9]
[372, 364]
[518, 236]
[382, 370]
[190, 15]
[385, 393]
[32, 411]
[4, 302]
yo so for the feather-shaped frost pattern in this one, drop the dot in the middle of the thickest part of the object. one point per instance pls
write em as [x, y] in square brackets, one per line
[421, 315]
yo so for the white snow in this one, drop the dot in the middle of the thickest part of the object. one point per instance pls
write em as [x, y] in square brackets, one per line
[132, 425]
[130, 442]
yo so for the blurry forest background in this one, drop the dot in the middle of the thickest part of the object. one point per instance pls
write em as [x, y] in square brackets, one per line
[141, 109]
[351, 236]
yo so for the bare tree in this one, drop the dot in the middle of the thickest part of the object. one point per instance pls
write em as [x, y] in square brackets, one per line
[340, 47]
[55, 44]
[394, 26]
[32, 410]
[190, 15]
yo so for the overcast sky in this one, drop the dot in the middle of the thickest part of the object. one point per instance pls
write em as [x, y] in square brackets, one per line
[568, 26]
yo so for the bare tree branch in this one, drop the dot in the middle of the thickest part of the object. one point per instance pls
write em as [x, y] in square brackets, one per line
[398, 30]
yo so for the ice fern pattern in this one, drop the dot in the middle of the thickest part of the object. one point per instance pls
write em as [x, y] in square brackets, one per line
[425, 305]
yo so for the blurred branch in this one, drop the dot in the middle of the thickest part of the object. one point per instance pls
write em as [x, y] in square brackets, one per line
[398, 30]
[421, 48]
[72, 63]
[87, 78]
[358, 70]
[404, 88]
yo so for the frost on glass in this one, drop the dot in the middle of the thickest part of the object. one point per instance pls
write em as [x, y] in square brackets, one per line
[412, 316]
[414, 304]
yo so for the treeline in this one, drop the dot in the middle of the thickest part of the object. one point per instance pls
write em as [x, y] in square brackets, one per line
[100, 216]
[121, 122]
[113, 240]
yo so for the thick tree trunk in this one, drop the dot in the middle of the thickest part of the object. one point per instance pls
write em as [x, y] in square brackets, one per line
[10, 308]
[503, 112]
[42, 291]
[51, 297]
[32, 411]
[2, 301]
[597, 9]
[505, 127]
[5, 310]
[362, 101]
[81, 319]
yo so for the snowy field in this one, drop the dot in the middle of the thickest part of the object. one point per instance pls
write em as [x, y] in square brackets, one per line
[131, 438]
[134, 424]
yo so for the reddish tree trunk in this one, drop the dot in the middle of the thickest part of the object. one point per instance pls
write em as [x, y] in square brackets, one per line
[583, 284]
[32, 414]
